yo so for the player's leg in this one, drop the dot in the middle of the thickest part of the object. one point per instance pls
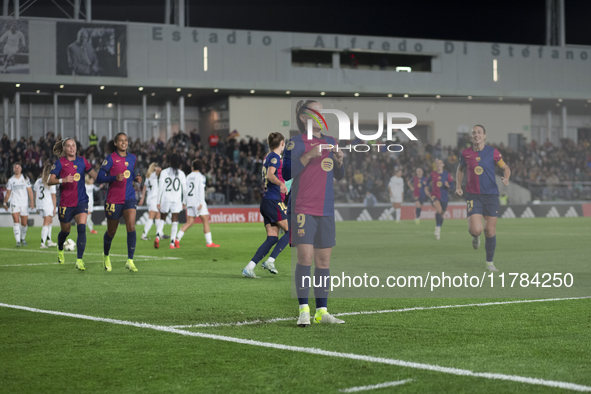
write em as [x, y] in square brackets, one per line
[174, 229]
[207, 232]
[24, 220]
[112, 225]
[148, 225]
[61, 238]
[303, 281]
[160, 228]
[438, 218]
[475, 214]
[44, 231]
[186, 226]
[418, 208]
[16, 227]
[90, 223]
[281, 244]
[81, 239]
[272, 238]
[129, 216]
[398, 207]
[490, 244]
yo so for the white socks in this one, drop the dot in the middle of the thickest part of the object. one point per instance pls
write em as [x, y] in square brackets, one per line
[271, 260]
[398, 212]
[173, 231]
[44, 231]
[251, 265]
[16, 229]
[148, 226]
[179, 235]
[49, 232]
[208, 238]
[159, 227]
[23, 232]
[89, 223]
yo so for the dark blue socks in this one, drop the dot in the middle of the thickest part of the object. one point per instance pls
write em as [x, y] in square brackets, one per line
[438, 219]
[281, 244]
[321, 286]
[61, 238]
[81, 241]
[302, 283]
[107, 243]
[418, 213]
[264, 249]
[490, 245]
[131, 240]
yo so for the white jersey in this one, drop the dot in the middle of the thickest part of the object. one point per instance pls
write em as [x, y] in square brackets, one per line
[90, 193]
[12, 40]
[152, 187]
[195, 189]
[43, 199]
[396, 186]
[18, 188]
[171, 187]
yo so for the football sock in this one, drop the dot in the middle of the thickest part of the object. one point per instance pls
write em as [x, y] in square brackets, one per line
[159, 227]
[81, 240]
[49, 233]
[398, 214]
[173, 231]
[302, 282]
[16, 229]
[251, 265]
[281, 244]
[44, 231]
[107, 243]
[131, 240]
[321, 286]
[490, 245]
[271, 260]
[148, 226]
[417, 213]
[23, 232]
[180, 234]
[264, 249]
[208, 239]
[89, 223]
[61, 238]
[438, 219]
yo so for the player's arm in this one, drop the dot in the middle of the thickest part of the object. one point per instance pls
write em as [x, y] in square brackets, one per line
[31, 198]
[459, 178]
[160, 190]
[184, 191]
[6, 198]
[273, 179]
[201, 196]
[507, 174]
[143, 195]
[339, 171]
[53, 199]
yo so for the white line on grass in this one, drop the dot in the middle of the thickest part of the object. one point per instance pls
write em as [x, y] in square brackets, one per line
[418, 308]
[92, 254]
[56, 263]
[328, 353]
[375, 386]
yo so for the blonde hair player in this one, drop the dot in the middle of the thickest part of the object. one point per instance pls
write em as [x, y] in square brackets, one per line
[151, 188]
[396, 189]
[20, 196]
[45, 202]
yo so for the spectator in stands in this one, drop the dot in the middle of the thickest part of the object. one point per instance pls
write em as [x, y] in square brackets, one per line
[369, 200]
[213, 141]
[92, 139]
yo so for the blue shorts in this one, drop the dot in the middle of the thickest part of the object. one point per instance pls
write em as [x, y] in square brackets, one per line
[319, 231]
[114, 211]
[67, 214]
[483, 204]
[422, 200]
[443, 204]
[273, 211]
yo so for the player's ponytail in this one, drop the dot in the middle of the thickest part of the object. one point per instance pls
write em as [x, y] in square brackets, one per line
[46, 174]
[274, 140]
[110, 147]
[299, 110]
[151, 169]
[175, 163]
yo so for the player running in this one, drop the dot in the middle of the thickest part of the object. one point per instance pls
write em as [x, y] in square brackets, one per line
[45, 202]
[311, 207]
[418, 191]
[437, 190]
[14, 38]
[20, 197]
[172, 198]
[67, 172]
[482, 193]
[273, 209]
[151, 187]
[90, 188]
[396, 189]
[196, 205]
[118, 170]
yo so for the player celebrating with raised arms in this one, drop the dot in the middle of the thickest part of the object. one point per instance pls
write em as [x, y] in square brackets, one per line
[45, 202]
[396, 189]
[151, 188]
[196, 205]
[273, 209]
[438, 184]
[311, 208]
[482, 193]
[417, 184]
[118, 170]
[172, 198]
[68, 172]
[20, 196]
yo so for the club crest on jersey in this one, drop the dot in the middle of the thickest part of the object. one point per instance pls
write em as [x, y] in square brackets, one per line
[478, 170]
[301, 232]
[126, 174]
[273, 161]
[53, 167]
[327, 164]
[75, 166]
[76, 177]
[105, 162]
[290, 145]
[439, 184]
[126, 164]
[478, 158]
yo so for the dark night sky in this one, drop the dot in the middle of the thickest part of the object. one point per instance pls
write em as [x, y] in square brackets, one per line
[516, 21]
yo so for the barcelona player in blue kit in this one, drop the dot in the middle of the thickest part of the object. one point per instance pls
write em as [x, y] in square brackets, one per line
[482, 193]
[312, 163]
[417, 184]
[68, 172]
[438, 184]
[273, 209]
[118, 170]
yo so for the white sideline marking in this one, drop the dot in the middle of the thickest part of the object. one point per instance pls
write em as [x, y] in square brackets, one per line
[86, 262]
[328, 353]
[375, 386]
[418, 308]
[91, 254]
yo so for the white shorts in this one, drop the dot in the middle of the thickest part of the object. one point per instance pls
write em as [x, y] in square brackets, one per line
[194, 212]
[396, 199]
[171, 206]
[45, 212]
[10, 49]
[152, 205]
[23, 209]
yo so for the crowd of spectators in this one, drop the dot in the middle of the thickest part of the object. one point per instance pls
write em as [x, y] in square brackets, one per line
[233, 165]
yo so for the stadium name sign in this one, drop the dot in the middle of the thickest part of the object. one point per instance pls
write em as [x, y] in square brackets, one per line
[345, 130]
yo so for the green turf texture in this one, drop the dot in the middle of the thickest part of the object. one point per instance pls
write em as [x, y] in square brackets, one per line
[54, 354]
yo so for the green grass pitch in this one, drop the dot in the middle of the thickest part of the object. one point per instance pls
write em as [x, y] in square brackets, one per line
[46, 353]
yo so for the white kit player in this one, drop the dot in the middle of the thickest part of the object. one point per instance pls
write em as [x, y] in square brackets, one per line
[90, 189]
[45, 202]
[172, 198]
[151, 188]
[396, 188]
[13, 38]
[20, 196]
[196, 205]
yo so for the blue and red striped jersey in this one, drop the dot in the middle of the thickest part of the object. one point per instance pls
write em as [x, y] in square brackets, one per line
[481, 169]
[272, 191]
[419, 186]
[312, 190]
[437, 184]
[74, 193]
[119, 191]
